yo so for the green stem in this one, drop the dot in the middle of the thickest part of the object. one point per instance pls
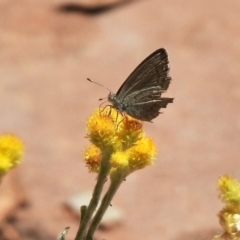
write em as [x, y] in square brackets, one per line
[83, 211]
[115, 183]
[102, 176]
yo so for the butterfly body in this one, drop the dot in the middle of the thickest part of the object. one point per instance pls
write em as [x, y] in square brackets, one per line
[140, 95]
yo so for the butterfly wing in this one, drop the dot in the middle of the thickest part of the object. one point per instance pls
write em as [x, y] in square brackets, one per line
[151, 72]
[146, 103]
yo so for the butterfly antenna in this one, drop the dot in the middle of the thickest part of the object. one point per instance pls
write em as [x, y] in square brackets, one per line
[99, 85]
[100, 99]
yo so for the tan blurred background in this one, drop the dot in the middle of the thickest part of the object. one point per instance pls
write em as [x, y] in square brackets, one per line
[47, 50]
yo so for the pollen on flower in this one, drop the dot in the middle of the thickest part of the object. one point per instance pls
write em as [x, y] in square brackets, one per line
[11, 152]
[93, 157]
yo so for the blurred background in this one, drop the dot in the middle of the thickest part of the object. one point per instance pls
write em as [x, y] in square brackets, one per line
[47, 50]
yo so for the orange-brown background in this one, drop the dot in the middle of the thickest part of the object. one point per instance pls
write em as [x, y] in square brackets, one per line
[46, 54]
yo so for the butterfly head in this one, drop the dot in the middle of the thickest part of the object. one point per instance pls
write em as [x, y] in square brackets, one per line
[115, 101]
[112, 98]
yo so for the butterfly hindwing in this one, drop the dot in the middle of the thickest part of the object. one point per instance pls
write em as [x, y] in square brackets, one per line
[145, 104]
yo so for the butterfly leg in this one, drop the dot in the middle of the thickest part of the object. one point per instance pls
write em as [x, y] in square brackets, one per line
[102, 110]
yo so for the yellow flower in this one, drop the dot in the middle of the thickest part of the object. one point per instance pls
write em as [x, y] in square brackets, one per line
[230, 215]
[142, 154]
[123, 137]
[101, 129]
[230, 190]
[11, 152]
[93, 157]
[129, 132]
[118, 148]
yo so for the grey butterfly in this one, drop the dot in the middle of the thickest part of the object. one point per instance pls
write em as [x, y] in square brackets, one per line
[140, 94]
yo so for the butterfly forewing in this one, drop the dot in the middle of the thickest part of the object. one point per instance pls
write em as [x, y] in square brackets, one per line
[152, 72]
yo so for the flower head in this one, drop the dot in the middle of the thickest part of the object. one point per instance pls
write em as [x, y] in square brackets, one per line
[101, 129]
[11, 152]
[130, 148]
[93, 157]
[230, 190]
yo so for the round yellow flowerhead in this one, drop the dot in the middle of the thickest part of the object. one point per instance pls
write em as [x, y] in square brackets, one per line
[122, 136]
[11, 152]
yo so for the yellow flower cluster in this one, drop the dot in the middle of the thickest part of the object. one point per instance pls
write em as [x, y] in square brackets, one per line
[123, 137]
[230, 215]
[11, 152]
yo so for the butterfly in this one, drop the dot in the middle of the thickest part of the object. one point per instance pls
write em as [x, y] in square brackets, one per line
[140, 94]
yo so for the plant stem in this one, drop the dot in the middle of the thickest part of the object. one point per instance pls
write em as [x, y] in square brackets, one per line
[115, 183]
[102, 176]
[83, 211]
